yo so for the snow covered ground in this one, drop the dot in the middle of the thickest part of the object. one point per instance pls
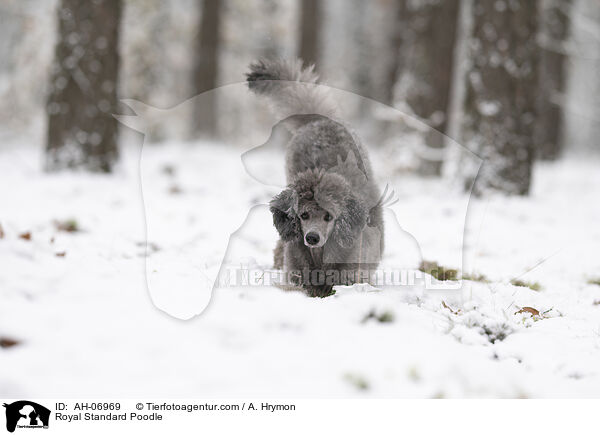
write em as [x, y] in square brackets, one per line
[78, 306]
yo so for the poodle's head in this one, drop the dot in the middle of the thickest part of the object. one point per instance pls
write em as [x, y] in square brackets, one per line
[318, 207]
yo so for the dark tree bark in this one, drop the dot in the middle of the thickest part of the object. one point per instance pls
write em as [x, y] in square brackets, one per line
[394, 27]
[270, 44]
[206, 69]
[310, 31]
[359, 58]
[428, 38]
[386, 66]
[500, 100]
[81, 129]
[554, 29]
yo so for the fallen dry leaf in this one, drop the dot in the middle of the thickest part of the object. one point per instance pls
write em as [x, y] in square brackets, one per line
[60, 254]
[451, 310]
[7, 342]
[1, 232]
[68, 226]
[529, 310]
[175, 190]
[25, 236]
[596, 302]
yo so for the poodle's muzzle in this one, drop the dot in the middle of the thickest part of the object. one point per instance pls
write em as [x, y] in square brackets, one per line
[315, 228]
[313, 239]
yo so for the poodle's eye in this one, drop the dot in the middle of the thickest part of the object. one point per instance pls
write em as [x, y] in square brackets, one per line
[304, 216]
[327, 217]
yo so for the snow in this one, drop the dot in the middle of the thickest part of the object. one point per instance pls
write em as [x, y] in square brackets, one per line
[87, 324]
[488, 108]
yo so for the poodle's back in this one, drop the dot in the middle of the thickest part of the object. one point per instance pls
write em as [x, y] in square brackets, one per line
[327, 145]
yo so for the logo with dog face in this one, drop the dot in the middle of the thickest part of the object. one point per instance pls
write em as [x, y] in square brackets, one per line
[25, 414]
[331, 208]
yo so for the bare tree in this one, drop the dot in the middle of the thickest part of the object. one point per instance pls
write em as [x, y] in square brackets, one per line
[206, 69]
[500, 90]
[393, 25]
[553, 32]
[310, 31]
[428, 37]
[83, 89]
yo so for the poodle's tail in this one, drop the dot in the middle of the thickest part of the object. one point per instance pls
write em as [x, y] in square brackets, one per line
[292, 89]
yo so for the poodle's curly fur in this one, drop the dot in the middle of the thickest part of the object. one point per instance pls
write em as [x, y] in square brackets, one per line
[329, 217]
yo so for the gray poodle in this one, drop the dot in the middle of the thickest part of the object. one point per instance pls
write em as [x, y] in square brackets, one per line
[329, 217]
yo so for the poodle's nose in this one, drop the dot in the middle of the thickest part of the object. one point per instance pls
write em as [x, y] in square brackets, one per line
[312, 238]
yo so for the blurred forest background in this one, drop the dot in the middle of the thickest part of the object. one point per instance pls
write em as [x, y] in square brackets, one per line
[513, 80]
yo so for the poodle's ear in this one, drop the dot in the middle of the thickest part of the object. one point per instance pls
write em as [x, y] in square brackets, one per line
[349, 223]
[284, 217]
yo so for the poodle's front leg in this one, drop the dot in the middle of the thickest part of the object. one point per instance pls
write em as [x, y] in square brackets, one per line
[300, 269]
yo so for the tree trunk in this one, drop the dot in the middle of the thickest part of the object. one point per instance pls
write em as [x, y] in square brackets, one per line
[429, 35]
[359, 57]
[393, 60]
[310, 31]
[81, 129]
[206, 69]
[553, 33]
[500, 90]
